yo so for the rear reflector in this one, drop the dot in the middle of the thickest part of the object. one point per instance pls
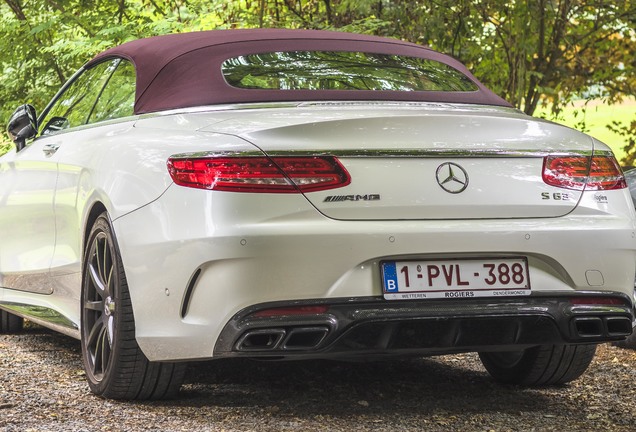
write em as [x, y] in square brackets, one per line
[259, 174]
[293, 311]
[582, 172]
[598, 301]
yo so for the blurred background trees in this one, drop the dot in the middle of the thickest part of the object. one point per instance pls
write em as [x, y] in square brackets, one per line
[540, 54]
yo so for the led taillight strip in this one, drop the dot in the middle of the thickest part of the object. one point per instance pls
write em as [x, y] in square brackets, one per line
[583, 172]
[259, 174]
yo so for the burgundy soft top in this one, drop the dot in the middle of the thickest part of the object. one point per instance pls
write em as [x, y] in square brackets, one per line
[184, 70]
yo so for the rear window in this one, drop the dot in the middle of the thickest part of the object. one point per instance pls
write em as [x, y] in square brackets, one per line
[331, 70]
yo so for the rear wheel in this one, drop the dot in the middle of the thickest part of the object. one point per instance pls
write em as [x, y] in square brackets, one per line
[115, 366]
[539, 366]
[10, 323]
[630, 342]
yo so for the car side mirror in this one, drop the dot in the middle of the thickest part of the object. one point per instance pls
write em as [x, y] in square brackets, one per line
[23, 125]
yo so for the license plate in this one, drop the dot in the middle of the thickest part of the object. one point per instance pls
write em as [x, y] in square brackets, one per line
[459, 278]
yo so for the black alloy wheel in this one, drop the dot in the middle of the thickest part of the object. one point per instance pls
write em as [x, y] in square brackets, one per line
[115, 365]
[100, 305]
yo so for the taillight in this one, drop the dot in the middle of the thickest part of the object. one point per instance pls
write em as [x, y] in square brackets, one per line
[583, 172]
[259, 174]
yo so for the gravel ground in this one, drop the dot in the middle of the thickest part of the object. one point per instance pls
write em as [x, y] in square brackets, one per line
[42, 388]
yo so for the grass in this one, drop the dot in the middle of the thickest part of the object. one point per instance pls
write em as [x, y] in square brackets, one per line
[595, 116]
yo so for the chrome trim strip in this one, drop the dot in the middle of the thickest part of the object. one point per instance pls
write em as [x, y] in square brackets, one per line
[228, 153]
[44, 316]
[219, 108]
[333, 103]
[397, 153]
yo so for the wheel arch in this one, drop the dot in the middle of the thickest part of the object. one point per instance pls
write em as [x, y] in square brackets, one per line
[114, 364]
[97, 209]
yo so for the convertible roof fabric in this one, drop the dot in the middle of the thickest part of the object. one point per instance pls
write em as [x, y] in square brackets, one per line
[184, 70]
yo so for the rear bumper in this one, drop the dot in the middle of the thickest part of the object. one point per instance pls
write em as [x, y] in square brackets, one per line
[195, 260]
[374, 327]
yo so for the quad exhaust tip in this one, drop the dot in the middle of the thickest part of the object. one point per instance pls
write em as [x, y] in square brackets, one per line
[594, 326]
[297, 338]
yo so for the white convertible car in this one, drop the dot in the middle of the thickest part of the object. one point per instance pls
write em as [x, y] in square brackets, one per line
[281, 194]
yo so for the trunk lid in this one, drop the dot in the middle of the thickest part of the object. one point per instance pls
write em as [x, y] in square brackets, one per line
[421, 161]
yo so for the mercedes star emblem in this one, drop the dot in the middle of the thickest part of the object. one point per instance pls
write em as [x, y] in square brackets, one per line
[451, 177]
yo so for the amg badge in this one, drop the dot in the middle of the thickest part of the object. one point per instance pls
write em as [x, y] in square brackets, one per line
[368, 197]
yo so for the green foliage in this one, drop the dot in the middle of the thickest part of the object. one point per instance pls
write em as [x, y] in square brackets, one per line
[5, 145]
[593, 118]
[628, 132]
[529, 52]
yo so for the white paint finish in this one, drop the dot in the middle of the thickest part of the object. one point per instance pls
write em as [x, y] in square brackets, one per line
[300, 256]
[255, 248]
[408, 189]
[27, 218]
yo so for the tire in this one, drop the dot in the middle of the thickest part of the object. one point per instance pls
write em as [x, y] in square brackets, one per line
[629, 343]
[539, 366]
[115, 366]
[10, 323]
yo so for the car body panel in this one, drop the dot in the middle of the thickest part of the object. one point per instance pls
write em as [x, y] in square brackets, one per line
[294, 253]
[188, 229]
[205, 267]
[27, 218]
[364, 137]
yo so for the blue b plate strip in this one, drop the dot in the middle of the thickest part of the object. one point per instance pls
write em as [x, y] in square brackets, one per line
[389, 272]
